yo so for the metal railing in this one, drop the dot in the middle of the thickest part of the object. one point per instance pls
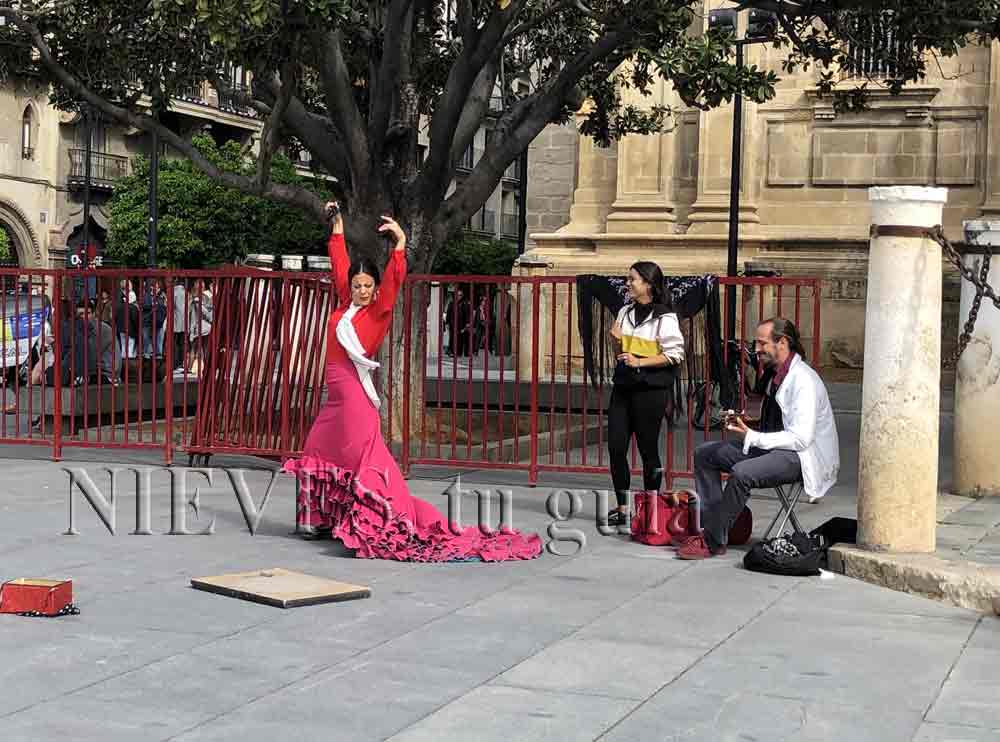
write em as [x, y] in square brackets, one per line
[236, 100]
[500, 373]
[232, 361]
[105, 169]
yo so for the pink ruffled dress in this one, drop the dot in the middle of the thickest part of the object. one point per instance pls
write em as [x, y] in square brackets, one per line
[349, 481]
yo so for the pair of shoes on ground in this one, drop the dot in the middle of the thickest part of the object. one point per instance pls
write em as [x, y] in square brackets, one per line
[692, 547]
[696, 547]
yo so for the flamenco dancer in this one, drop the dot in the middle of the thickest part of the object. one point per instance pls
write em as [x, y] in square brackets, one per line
[350, 486]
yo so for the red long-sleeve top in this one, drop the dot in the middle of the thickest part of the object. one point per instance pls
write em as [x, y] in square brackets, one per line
[371, 322]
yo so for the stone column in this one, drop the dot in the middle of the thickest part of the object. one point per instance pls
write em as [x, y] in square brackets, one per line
[898, 457]
[645, 200]
[991, 208]
[595, 189]
[531, 265]
[977, 386]
[709, 214]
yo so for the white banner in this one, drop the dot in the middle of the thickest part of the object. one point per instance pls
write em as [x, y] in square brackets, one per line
[21, 329]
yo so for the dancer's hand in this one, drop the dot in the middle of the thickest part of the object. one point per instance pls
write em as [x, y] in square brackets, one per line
[333, 213]
[629, 360]
[395, 230]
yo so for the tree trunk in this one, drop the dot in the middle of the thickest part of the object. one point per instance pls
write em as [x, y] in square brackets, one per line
[402, 387]
[398, 387]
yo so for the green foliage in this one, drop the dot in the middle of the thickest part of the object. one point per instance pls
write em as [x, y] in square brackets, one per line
[202, 222]
[6, 249]
[364, 76]
[898, 38]
[467, 254]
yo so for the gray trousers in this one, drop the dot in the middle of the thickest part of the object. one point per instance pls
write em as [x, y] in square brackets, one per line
[756, 470]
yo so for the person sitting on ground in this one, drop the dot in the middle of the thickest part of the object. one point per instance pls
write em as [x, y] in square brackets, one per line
[796, 441]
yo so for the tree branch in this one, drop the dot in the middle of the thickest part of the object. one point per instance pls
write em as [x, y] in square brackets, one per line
[434, 177]
[292, 195]
[476, 107]
[531, 25]
[397, 30]
[343, 109]
[269, 138]
[518, 128]
[313, 130]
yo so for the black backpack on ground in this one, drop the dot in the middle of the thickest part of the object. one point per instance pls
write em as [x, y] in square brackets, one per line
[800, 555]
[795, 555]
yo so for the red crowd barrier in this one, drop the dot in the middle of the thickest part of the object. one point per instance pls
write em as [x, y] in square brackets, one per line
[232, 361]
[501, 374]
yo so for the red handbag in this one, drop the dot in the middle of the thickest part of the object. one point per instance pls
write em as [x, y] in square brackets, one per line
[654, 512]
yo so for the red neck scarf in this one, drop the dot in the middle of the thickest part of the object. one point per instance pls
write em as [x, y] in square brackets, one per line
[783, 371]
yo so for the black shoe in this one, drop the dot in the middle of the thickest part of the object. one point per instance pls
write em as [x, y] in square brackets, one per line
[311, 533]
[618, 518]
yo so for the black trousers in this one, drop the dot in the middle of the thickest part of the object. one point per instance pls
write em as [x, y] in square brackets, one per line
[721, 506]
[635, 411]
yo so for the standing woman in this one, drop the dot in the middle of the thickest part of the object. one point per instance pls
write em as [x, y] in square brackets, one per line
[201, 315]
[649, 347]
[350, 486]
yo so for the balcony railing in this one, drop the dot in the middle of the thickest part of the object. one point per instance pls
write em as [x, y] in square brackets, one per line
[513, 171]
[236, 100]
[105, 169]
[483, 220]
[192, 93]
[510, 225]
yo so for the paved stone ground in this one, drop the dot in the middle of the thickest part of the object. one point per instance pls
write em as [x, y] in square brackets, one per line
[618, 642]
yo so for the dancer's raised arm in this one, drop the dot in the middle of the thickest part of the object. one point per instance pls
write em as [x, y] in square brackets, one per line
[395, 269]
[340, 263]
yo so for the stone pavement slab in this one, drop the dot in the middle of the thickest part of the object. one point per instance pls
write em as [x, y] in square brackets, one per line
[619, 642]
[931, 732]
[497, 712]
[754, 714]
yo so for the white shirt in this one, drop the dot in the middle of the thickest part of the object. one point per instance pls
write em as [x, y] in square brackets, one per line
[810, 429]
[180, 306]
[654, 334]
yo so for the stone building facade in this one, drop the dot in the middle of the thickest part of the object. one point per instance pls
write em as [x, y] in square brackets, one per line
[42, 165]
[552, 173]
[804, 193]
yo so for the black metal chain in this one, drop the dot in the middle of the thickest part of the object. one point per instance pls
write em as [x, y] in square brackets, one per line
[982, 288]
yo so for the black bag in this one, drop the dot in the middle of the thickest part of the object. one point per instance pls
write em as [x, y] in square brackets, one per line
[837, 531]
[796, 555]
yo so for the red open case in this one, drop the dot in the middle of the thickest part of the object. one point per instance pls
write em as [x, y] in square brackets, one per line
[47, 597]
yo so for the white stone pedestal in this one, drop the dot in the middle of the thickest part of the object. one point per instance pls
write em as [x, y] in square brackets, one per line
[898, 458]
[977, 384]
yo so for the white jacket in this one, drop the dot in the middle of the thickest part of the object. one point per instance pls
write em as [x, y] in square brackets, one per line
[654, 336]
[810, 429]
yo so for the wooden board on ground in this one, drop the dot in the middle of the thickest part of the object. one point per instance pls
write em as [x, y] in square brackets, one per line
[281, 587]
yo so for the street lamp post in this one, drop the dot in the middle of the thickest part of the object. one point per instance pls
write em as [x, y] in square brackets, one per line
[154, 177]
[88, 133]
[760, 29]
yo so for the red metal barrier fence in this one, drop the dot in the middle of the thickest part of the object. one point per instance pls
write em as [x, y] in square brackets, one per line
[502, 375]
[232, 361]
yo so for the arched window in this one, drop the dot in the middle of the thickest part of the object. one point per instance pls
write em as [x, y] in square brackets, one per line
[27, 135]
